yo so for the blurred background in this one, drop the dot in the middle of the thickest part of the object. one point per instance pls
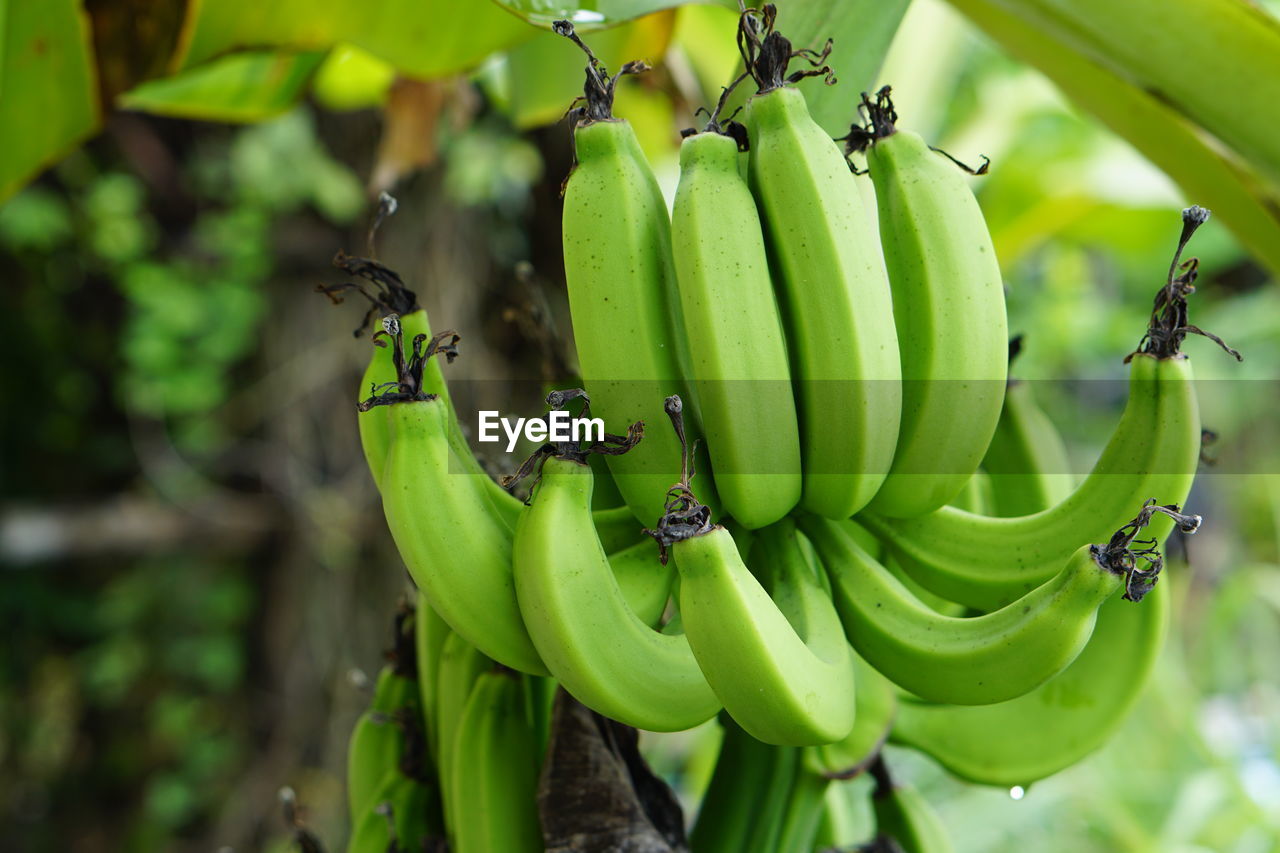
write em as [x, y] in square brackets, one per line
[193, 561]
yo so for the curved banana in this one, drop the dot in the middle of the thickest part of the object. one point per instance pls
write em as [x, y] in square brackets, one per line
[831, 284]
[494, 778]
[735, 797]
[780, 665]
[403, 817]
[1026, 464]
[461, 664]
[966, 661]
[591, 638]
[429, 634]
[377, 741]
[876, 708]
[975, 496]
[390, 298]
[985, 562]
[622, 292]
[644, 582]
[903, 815]
[1005, 744]
[738, 356]
[455, 546]
[948, 304]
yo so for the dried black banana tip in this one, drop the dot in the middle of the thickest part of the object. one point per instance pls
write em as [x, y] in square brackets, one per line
[1139, 560]
[683, 516]
[767, 53]
[1169, 324]
[596, 102]
[579, 451]
[408, 384]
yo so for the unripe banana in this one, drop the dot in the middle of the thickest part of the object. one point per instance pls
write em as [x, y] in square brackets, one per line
[377, 741]
[948, 303]
[903, 815]
[455, 546]
[976, 495]
[802, 815]
[965, 661]
[590, 637]
[727, 816]
[494, 778]
[780, 665]
[832, 286]
[622, 296]
[877, 705]
[1026, 463]
[644, 582]
[400, 819]
[429, 633]
[461, 664]
[986, 563]
[1057, 724]
[738, 356]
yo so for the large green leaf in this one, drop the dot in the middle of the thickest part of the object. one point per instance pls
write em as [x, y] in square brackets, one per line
[545, 74]
[860, 32]
[421, 38]
[1216, 62]
[48, 89]
[588, 15]
[1249, 205]
[241, 87]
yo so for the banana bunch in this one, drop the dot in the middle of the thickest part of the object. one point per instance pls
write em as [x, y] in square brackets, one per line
[885, 543]
[448, 752]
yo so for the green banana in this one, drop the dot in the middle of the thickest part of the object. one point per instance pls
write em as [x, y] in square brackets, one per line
[1057, 724]
[389, 297]
[726, 819]
[429, 633]
[987, 562]
[981, 659]
[976, 495]
[832, 286]
[770, 821]
[494, 777]
[948, 302]
[377, 742]
[903, 815]
[457, 549]
[403, 817]
[644, 581]
[745, 796]
[876, 708]
[734, 334]
[617, 528]
[802, 814]
[583, 626]
[621, 286]
[461, 664]
[1026, 463]
[780, 665]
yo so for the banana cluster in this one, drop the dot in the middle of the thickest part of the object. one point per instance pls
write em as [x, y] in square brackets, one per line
[882, 540]
[447, 755]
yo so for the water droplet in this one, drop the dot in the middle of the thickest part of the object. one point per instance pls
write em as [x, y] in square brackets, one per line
[1017, 792]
